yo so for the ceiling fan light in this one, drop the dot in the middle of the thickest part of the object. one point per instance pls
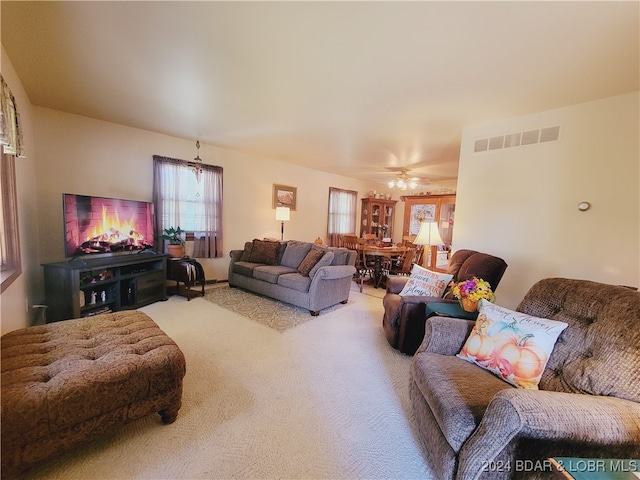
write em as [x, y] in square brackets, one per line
[412, 185]
[391, 183]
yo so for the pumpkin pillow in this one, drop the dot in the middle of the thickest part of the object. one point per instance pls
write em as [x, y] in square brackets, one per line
[512, 345]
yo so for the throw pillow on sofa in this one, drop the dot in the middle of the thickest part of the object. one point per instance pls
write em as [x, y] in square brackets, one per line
[313, 257]
[512, 345]
[425, 282]
[264, 251]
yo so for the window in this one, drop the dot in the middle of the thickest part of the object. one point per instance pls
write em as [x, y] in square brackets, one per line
[342, 214]
[189, 196]
[9, 240]
[12, 147]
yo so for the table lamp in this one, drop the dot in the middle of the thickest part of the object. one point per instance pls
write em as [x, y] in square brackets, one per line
[282, 214]
[428, 235]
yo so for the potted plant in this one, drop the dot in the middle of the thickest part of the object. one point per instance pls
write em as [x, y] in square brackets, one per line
[176, 242]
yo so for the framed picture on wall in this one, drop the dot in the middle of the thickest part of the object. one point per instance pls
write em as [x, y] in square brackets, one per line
[284, 196]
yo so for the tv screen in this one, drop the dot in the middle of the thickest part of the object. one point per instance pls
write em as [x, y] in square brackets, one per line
[101, 225]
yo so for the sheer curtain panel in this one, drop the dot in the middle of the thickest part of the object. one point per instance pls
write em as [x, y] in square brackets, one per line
[343, 205]
[189, 201]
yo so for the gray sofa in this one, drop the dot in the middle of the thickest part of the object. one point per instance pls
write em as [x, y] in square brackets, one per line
[300, 273]
[475, 425]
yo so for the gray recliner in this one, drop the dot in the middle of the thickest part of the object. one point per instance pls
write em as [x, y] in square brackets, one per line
[474, 425]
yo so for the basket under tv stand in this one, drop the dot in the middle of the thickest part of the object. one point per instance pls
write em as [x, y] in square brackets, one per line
[82, 287]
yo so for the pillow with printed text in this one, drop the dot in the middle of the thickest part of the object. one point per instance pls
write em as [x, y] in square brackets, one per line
[513, 345]
[425, 282]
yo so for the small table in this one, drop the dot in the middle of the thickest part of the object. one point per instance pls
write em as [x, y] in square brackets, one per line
[189, 272]
[449, 309]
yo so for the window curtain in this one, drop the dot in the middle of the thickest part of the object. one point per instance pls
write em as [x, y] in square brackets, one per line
[10, 131]
[342, 214]
[208, 240]
[174, 205]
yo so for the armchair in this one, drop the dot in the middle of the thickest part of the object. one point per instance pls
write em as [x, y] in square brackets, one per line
[474, 425]
[404, 316]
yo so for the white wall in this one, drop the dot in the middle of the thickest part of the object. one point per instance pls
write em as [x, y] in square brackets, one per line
[24, 289]
[91, 157]
[521, 203]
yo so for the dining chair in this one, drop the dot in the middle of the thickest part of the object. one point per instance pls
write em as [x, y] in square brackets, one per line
[400, 265]
[352, 242]
[370, 238]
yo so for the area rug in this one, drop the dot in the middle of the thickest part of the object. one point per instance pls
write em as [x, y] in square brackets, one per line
[264, 310]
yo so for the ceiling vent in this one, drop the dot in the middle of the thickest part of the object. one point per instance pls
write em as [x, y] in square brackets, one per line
[530, 137]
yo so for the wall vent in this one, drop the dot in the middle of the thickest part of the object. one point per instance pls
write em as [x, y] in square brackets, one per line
[530, 137]
[481, 145]
[550, 134]
[512, 140]
[496, 142]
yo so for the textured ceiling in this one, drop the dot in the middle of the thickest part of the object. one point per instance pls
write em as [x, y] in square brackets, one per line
[360, 89]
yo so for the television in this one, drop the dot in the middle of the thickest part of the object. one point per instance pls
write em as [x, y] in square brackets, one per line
[106, 226]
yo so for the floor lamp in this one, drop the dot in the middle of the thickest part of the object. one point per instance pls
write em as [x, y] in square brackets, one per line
[429, 236]
[282, 214]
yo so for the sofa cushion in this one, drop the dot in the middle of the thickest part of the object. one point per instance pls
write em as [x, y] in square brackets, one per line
[340, 255]
[313, 257]
[294, 253]
[515, 346]
[264, 251]
[326, 260]
[295, 281]
[426, 282]
[270, 273]
[245, 268]
[457, 392]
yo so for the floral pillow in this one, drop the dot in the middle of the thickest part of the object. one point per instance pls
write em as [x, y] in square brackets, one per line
[512, 345]
[425, 282]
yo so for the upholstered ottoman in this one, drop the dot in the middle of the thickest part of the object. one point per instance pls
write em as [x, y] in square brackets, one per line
[64, 382]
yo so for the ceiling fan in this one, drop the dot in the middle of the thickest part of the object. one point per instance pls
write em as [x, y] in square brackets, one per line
[404, 181]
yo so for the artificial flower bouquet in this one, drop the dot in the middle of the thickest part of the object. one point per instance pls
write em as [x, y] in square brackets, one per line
[471, 291]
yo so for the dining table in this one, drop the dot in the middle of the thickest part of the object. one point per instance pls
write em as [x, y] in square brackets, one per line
[377, 254]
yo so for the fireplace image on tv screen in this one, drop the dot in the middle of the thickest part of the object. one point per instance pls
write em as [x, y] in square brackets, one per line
[100, 225]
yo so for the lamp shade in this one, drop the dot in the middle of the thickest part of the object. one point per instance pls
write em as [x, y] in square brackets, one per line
[428, 234]
[282, 214]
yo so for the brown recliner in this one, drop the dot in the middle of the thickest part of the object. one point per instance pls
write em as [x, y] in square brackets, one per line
[404, 316]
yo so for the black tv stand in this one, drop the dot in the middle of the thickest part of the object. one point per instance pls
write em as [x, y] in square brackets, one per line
[83, 287]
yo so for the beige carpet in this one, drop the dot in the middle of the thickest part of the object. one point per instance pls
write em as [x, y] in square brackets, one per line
[324, 400]
[271, 313]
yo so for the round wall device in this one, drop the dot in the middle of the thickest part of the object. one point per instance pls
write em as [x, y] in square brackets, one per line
[584, 206]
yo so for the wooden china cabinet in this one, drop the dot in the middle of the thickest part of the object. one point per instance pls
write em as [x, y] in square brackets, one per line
[438, 208]
[377, 217]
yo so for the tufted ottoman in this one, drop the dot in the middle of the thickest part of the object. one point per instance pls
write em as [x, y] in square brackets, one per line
[65, 382]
